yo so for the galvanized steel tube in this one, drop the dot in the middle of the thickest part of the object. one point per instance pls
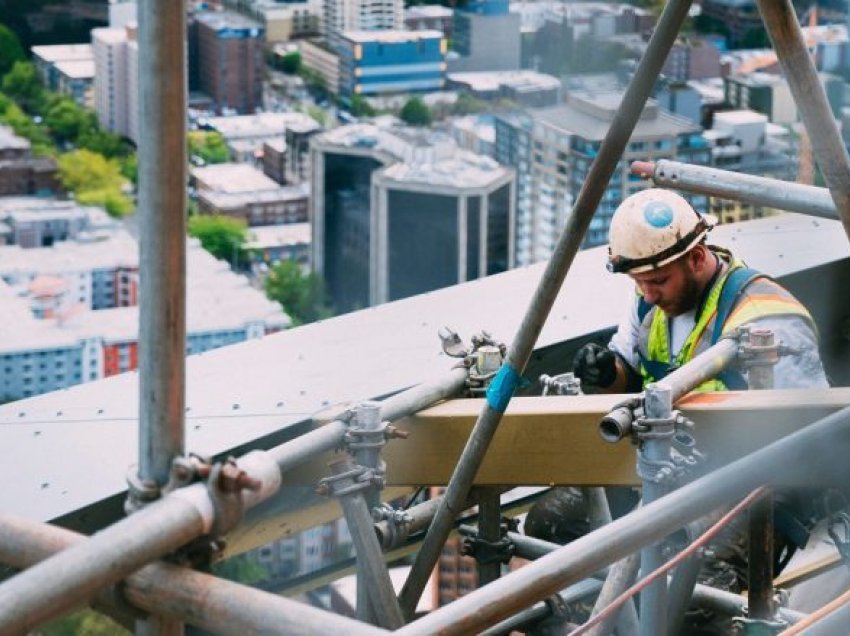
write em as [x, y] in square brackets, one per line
[780, 20]
[215, 605]
[828, 440]
[593, 188]
[701, 368]
[162, 214]
[737, 186]
[329, 436]
[369, 556]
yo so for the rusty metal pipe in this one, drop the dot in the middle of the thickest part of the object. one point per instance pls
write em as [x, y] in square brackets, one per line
[73, 576]
[780, 20]
[503, 386]
[213, 604]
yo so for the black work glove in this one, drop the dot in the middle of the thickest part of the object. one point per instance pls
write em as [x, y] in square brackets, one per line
[595, 366]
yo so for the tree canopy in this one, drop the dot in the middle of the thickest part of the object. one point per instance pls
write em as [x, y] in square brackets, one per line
[221, 236]
[11, 50]
[95, 180]
[415, 112]
[208, 146]
[301, 295]
[23, 84]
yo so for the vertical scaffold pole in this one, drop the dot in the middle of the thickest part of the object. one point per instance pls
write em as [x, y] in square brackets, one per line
[503, 386]
[162, 212]
[782, 26]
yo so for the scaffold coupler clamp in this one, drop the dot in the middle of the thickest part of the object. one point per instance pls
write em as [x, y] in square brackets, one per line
[394, 524]
[483, 358]
[619, 423]
[486, 552]
[561, 384]
[745, 626]
[367, 434]
[356, 479]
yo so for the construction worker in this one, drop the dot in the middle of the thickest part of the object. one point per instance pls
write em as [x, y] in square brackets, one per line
[689, 294]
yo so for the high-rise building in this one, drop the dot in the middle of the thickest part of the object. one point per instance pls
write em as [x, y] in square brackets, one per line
[380, 62]
[552, 150]
[230, 61]
[398, 211]
[116, 85]
[486, 37]
[361, 15]
[771, 95]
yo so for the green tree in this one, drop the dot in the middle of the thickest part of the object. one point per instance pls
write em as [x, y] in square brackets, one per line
[221, 236]
[66, 120]
[24, 126]
[95, 180]
[23, 84]
[290, 63]
[301, 295]
[11, 50]
[103, 142]
[208, 146]
[360, 107]
[415, 112]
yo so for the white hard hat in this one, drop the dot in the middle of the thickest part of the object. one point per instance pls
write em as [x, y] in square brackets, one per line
[652, 228]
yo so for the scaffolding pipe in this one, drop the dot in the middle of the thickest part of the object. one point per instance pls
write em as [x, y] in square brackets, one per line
[210, 603]
[162, 214]
[539, 611]
[504, 384]
[705, 366]
[704, 596]
[328, 437]
[737, 186]
[654, 450]
[684, 580]
[370, 559]
[489, 530]
[73, 576]
[828, 439]
[780, 21]
[729, 604]
[621, 577]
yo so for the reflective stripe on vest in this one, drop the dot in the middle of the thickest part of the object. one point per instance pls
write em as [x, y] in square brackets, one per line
[760, 298]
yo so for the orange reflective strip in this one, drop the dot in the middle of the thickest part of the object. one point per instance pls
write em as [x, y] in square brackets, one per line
[755, 307]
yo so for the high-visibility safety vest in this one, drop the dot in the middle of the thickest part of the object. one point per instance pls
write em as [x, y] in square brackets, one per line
[738, 296]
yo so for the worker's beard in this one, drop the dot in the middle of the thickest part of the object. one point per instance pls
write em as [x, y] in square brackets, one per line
[689, 296]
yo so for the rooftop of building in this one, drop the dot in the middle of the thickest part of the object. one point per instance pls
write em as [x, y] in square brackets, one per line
[233, 178]
[390, 36]
[428, 11]
[235, 200]
[487, 81]
[26, 209]
[481, 126]
[10, 141]
[63, 52]
[710, 90]
[111, 35]
[739, 117]
[261, 124]
[76, 69]
[589, 116]
[224, 20]
[283, 235]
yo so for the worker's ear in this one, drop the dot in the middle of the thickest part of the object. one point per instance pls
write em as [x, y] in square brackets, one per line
[698, 258]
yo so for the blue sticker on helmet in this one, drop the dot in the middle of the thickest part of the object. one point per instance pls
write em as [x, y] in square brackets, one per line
[658, 214]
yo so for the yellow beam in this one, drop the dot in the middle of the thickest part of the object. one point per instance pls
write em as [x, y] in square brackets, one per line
[554, 440]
